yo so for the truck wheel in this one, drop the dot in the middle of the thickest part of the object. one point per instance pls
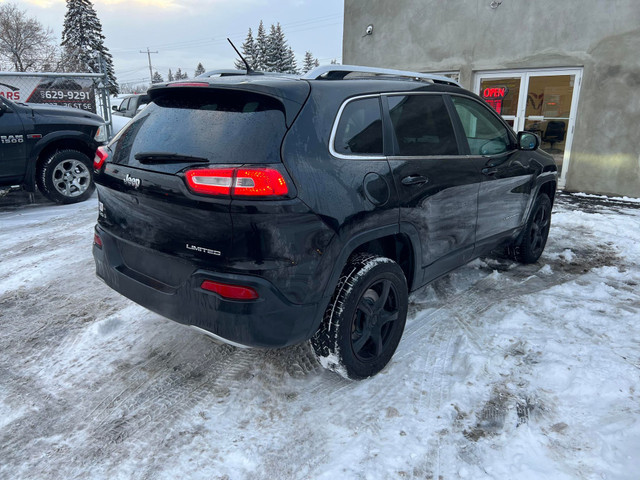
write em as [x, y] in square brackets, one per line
[364, 321]
[66, 177]
[532, 240]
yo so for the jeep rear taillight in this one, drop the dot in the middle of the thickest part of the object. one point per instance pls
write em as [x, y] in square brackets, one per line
[238, 182]
[211, 181]
[101, 156]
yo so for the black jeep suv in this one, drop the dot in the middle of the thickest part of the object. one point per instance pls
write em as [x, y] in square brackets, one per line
[49, 147]
[269, 210]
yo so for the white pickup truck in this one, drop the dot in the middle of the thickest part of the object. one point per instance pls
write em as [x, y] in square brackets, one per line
[130, 105]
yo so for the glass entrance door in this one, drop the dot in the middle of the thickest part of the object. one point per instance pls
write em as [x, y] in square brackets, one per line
[503, 95]
[543, 102]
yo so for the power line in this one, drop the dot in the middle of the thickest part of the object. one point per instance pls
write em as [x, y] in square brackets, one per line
[295, 26]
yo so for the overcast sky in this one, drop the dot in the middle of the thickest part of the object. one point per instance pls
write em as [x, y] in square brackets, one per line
[185, 32]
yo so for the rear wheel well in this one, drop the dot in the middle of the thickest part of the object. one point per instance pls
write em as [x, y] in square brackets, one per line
[396, 247]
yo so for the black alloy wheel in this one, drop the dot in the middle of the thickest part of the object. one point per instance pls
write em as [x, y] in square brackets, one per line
[364, 321]
[374, 319]
[534, 236]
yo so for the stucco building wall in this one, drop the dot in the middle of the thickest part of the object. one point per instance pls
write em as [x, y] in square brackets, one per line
[470, 36]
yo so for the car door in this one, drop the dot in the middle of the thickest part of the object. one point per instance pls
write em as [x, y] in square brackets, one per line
[13, 162]
[437, 184]
[507, 173]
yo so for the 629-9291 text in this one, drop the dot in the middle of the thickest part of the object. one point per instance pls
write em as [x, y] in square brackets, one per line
[68, 95]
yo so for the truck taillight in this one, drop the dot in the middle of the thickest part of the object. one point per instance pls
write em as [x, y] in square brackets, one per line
[101, 156]
[238, 182]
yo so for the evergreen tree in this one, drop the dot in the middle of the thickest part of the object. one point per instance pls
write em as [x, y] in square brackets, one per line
[280, 57]
[262, 41]
[170, 76]
[178, 75]
[249, 52]
[199, 70]
[157, 78]
[290, 63]
[83, 42]
[309, 62]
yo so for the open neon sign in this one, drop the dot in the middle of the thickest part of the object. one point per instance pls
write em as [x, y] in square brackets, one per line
[494, 97]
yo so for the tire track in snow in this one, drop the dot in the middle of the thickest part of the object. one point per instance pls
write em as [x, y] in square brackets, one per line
[137, 376]
[133, 424]
[449, 324]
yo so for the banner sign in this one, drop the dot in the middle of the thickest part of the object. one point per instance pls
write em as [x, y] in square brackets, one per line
[63, 91]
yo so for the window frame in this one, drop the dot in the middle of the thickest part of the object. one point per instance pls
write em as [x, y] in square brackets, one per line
[336, 122]
[389, 142]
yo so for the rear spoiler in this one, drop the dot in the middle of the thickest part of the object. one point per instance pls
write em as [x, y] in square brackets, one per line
[291, 93]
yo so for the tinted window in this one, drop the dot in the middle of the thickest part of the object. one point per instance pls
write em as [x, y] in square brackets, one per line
[221, 126]
[485, 133]
[360, 128]
[422, 125]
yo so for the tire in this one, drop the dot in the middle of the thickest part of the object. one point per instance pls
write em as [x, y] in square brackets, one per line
[66, 177]
[533, 238]
[364, 321]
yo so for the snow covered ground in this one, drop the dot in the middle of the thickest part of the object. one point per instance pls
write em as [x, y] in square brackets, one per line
[504, 372]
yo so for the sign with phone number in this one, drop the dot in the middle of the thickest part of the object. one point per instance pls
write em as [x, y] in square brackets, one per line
[64, 91]
[70, 98]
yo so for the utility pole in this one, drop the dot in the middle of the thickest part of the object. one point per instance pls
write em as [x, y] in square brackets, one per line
[150, 69]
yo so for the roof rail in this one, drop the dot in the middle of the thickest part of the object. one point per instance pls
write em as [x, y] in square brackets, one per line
[339, 72]
[234, 73]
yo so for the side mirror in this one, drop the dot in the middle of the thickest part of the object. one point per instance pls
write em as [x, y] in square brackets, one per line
[114, 108]
[528, 141]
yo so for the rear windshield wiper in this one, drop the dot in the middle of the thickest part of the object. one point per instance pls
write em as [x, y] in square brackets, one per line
[165, 157]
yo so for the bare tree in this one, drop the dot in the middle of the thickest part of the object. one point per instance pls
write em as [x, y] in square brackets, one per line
[24, 42]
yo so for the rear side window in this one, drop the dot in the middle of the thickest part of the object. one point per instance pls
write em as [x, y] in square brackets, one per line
[485, 133]
[222, 126]
[422, 125]
[359, 131]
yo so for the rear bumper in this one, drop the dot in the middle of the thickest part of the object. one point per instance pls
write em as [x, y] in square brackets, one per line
[270, 321]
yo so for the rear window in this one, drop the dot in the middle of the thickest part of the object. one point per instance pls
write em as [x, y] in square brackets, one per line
[221, 126]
